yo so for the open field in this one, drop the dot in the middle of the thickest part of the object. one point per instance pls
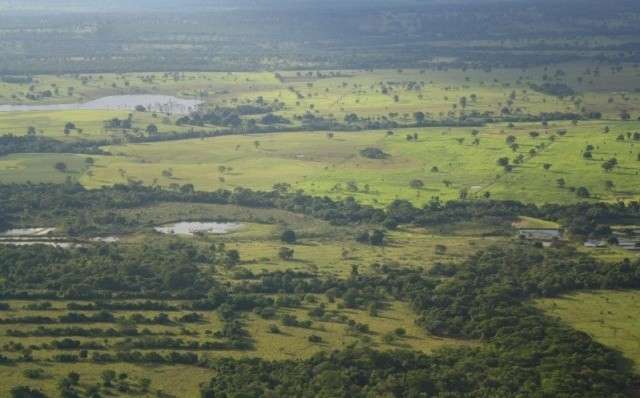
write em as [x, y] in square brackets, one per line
[41, 168]
[334, 167]
[610, 317]
[391, 94]
[90, 124]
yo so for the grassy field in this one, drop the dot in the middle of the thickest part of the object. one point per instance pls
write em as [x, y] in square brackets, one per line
[368, 93]
[90, 124]
[41, 168]
[446, 160]
[609, 317]
[334, 167]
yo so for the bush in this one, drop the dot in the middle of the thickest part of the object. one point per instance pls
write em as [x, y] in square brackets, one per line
[288, 236]
[373, 153]
[315, 339]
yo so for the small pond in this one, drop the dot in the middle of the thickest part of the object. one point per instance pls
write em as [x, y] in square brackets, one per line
[193, 227]
[153, 103]
[540, 234]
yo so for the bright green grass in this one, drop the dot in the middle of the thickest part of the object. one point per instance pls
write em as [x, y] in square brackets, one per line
[323, 166]
[611, 317]
[90, 124]
[40, 168]
[360, 91]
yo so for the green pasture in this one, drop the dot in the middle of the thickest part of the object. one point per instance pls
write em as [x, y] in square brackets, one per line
[20, 168]
[90, 124]
[445, 160]
[379, 93]
[610, 317]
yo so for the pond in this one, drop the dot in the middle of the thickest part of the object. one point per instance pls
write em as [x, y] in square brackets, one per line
[193, 227]
[153, 103]
[540, 234]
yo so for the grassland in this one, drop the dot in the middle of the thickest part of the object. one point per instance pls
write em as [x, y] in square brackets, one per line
[367, 93]
[334, 167]
[610, 317]
[90, 124]
[41, 168]
[323, 166]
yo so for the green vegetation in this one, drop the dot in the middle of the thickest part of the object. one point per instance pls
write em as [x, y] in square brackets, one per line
[370, 199]
[610, 317]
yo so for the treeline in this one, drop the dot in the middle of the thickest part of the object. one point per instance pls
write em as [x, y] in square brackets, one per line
[34, 144]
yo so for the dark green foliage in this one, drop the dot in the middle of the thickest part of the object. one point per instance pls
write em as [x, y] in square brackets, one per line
[288, 236]
[373, 153]
[33, 144]
[26, 392]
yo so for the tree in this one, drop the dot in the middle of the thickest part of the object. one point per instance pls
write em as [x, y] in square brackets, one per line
[152, 129]
[285, 253]
[440, 249]
[288, 236]
[232, 258]
[419, 116]
[609, 185]
[74, 378]
[546, 166]
[145, 383]
[315, 339]
[625, 115]
[60, 166]
[377, 238]
[31, 130]
[503, 161]
[26, 392]
[108, 376]
[560, 182]
[583, 192]
[416, 184]
[610, 164]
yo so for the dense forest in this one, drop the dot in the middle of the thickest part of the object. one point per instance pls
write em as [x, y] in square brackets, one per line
[298, 34]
